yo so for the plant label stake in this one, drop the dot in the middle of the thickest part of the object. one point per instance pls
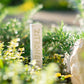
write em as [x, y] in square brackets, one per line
[36, 43]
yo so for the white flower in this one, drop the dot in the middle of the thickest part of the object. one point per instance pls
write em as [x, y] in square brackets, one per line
[14, 20]
[81, 21]
[82, 2]
[33, 62]
[16, 32]
[10, 74]
[7, 23]
[18, 39]
[5, 77]
[14, 44]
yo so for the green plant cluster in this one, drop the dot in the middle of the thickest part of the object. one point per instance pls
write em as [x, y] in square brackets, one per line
[14, 29]
[14, 71]
[56, 41]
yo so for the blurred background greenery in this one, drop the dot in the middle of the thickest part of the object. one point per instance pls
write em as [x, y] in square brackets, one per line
[54, 4]
[56, 42]
[48, 4]
[11, 2]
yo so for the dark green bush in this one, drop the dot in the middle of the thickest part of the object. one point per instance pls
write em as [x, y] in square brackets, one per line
[5, 2]
[11, 2]
[54, 4]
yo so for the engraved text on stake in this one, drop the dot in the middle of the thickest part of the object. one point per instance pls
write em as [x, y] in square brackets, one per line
[36, 43]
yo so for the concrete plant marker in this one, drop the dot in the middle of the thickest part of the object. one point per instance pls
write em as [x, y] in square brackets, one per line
[36, 43]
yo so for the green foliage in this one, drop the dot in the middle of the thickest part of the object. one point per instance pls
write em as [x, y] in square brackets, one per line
[75, 3]
[3, 12]
[79, 5]
[11, 2]
[47, 76]
[56, 58]
[5, 2]
[63, 76]
[55, 44]
[54, 4]
[26, 6]
[16, 29]
[14, 71]
[57, 41]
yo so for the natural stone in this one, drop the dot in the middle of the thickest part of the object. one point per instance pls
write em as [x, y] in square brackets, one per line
[77, 63]
[67, 62]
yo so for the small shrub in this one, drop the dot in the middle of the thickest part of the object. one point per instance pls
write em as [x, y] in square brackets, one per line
[58, 42]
